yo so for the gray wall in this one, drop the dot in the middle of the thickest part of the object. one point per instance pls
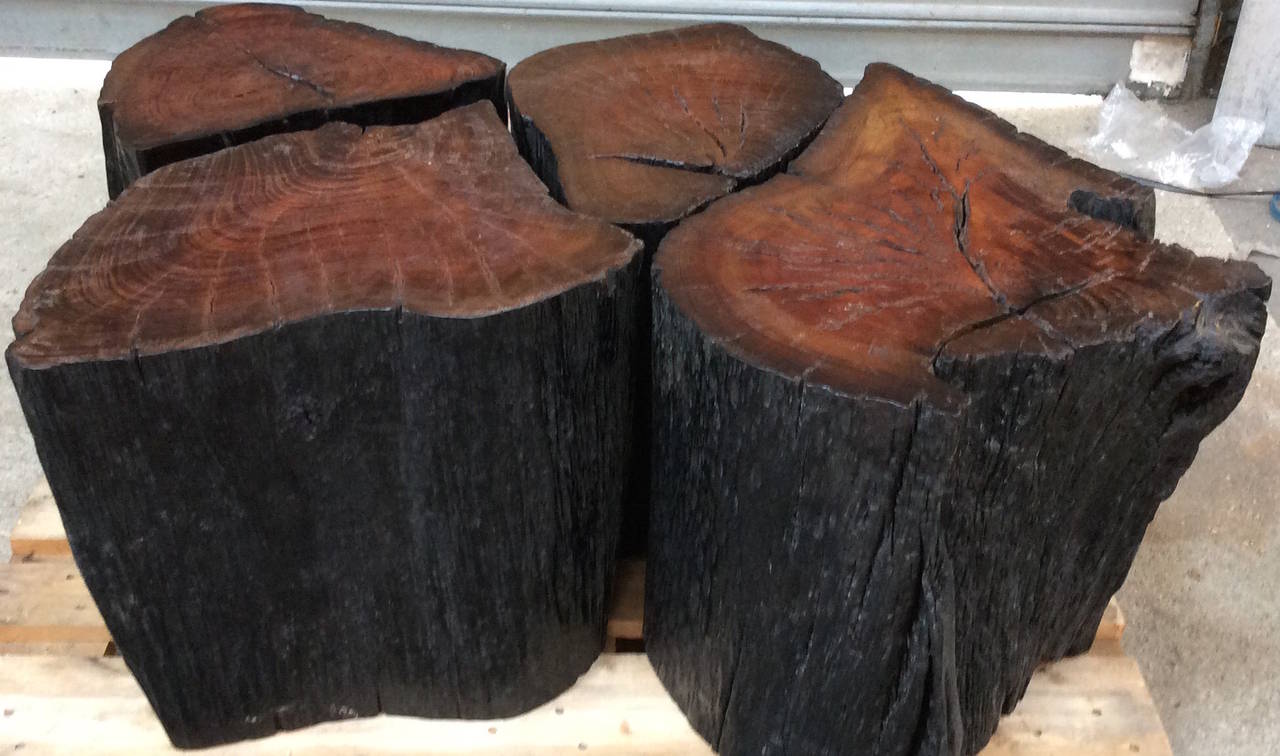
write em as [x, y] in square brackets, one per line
[1042, 45]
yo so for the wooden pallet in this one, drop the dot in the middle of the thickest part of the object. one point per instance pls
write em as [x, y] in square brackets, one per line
[60, 694]
[38, 534]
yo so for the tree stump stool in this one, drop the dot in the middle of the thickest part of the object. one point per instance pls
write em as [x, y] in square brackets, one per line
[234, 73]
[338, 424]
[916, 400]
[647, 129]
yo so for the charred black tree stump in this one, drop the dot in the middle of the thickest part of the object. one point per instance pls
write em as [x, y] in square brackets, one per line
[913, 413]
[647, 129]
[338, 424]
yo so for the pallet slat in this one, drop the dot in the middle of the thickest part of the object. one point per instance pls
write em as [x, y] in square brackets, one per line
[46, 606]
[38, 535]
[1111, 628]
[1091, 705]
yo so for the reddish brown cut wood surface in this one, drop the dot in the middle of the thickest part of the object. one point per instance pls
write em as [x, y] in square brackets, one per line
[232, 73]
[442, 218]
[648, 128]
[916, 228]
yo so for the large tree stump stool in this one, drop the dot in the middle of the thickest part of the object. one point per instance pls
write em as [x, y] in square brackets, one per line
[337, 423]
[230, 74]
[913, 412]
[647, 129]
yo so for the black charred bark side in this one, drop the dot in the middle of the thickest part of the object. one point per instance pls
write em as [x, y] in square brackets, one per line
[126, 163]
[536, 150]
[364, 512]
[832, 574]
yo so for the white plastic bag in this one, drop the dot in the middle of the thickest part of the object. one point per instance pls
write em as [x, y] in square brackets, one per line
[1137, 138]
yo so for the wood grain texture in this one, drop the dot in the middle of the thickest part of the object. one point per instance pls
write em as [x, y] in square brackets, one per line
[913, 412]
[645, 129]
[1085, 706]
[440, 219]
[233, 73]
[336, 423]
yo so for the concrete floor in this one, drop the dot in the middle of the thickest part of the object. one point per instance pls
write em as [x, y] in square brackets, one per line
[1204, 616]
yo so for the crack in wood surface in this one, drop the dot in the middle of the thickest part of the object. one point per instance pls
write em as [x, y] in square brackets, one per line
[676, 114]
[684, 105]
[962, 209]
[284, 73]
[658, 162]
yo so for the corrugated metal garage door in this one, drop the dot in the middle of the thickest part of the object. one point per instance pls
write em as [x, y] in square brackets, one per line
[1049, 45]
